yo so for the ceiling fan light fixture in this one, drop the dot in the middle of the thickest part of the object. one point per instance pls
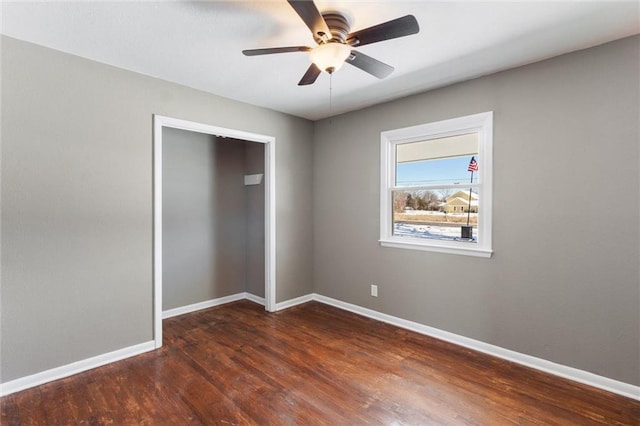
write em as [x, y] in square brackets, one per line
[331, 31]
[330, 56]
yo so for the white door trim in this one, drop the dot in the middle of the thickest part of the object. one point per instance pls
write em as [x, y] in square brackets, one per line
[270, 208]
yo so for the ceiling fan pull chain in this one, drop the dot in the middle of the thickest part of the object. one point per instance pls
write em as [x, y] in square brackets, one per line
[330, 94]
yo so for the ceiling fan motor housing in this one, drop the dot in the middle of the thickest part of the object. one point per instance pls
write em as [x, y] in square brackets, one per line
[338, 24]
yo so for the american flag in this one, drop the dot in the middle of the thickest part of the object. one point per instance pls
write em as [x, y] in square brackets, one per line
[473, 165]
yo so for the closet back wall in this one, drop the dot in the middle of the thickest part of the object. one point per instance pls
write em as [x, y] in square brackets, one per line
[204, 223]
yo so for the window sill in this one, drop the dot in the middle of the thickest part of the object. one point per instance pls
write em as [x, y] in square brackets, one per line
[439, 248]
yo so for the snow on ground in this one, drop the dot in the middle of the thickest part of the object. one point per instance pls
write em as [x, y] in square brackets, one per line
[451, 233]
[440, 214]
[425, 213]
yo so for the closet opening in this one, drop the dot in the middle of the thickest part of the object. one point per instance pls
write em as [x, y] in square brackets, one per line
[214, 218]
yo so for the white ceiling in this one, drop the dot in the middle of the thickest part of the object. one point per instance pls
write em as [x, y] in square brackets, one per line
[199, 44]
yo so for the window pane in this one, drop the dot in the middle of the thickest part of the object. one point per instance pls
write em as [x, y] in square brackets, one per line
[440, 213]
[440, 161]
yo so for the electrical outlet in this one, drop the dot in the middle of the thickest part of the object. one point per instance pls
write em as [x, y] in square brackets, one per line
[374, 290]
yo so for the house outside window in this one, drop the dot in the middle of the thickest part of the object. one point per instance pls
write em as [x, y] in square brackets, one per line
[436, 186]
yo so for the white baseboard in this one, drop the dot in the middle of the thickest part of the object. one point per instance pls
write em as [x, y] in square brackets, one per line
[232, 298]
[293, 302]
[255, 299]
[73, 368]
[581, 376]
[202, 305]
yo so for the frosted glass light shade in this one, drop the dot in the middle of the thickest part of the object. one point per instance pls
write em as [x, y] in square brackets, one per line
[329, 57]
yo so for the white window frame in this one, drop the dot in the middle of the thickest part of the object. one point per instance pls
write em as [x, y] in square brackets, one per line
[482, 124]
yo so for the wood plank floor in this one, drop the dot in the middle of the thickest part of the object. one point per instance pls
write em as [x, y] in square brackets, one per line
[310, 365]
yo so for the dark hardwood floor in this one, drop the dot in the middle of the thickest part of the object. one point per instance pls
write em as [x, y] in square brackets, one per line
[310, 365]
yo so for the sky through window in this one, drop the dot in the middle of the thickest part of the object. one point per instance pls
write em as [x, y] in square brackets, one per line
[434, 172]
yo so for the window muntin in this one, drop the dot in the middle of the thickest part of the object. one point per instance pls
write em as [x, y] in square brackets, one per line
[429, 200]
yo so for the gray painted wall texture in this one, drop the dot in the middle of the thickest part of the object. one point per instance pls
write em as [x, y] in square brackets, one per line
[77, 202]
[563, 283]
[255, 208]
[209, 245]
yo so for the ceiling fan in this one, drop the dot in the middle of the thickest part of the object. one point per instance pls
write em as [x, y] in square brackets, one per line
[335, 43]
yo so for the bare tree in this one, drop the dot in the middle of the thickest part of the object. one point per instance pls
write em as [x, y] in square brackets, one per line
[430, 200]
[446, 193]
[411, 202]
[399, 201]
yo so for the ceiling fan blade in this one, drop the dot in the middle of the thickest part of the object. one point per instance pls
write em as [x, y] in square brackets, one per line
[310, 76]
[309, 13]
[370, 65]
[271, 50]
[400, 27]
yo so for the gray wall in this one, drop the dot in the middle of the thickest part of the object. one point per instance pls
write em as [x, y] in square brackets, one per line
[77, 202]
[208, 249]
[563, 282]
[255, 208]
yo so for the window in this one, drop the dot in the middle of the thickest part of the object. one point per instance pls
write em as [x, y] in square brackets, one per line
[436, 186]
